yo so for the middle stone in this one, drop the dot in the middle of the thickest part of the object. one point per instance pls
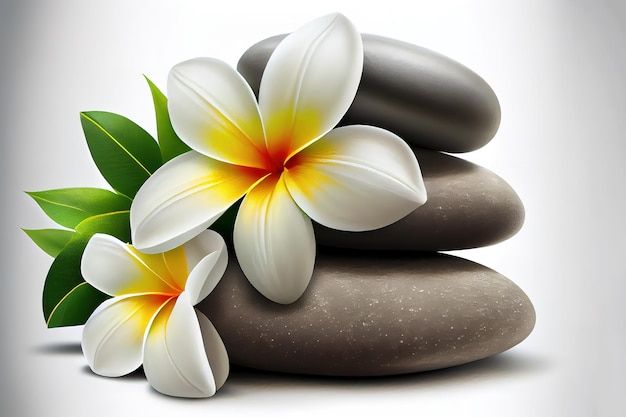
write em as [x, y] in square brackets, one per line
[468, 207]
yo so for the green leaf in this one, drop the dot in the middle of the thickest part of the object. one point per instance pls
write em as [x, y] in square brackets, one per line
[169, 142]
[115, 224]
[50, 241]
[63, 278]
[76, 306]
[125, 154]
[67, 299]
[70, 206]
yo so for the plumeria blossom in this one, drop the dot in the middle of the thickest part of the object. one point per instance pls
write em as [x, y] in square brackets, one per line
[282, 153]
[151, 318]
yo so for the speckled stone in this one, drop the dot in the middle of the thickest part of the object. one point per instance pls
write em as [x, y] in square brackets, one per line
[468, 206]
[426, 98]
[368, 314]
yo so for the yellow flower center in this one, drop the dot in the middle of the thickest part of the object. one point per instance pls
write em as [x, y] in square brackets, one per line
[167, 270]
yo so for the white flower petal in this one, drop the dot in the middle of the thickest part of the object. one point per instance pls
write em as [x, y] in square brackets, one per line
[309, 83]
[274, 242]
[184, 356]
[214, 111]
[113, 336]
[356, 178]
[207, 258]
[214, 349]
[116, 268]
[184, 197]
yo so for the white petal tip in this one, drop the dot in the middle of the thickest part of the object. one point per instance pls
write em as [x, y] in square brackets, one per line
[151, 246]
[279, 294]
[107, 373]
[420, 195]
[195, 394]
[287, 300]
[146, 248]
[334, 17]
[282, 297]
[421, 199]
[142, 241]
[151, 249]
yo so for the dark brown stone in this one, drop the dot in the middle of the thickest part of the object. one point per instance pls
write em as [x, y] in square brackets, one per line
[426, 98]
[468, 206]
[367, 314]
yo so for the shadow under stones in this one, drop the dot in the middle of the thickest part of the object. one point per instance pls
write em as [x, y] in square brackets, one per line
[505, 364]
[242, 380]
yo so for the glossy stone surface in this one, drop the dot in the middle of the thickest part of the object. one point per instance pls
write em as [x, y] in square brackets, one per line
[468, 206]
[426, 98]
[368, 314]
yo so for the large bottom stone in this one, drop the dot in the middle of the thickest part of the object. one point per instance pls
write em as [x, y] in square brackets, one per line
[368, 314]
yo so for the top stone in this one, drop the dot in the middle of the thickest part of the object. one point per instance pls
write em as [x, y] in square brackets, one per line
[426, 98]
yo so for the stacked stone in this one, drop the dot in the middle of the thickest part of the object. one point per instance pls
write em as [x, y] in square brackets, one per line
[385, 302]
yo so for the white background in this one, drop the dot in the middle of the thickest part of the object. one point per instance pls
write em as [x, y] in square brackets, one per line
[558, 68]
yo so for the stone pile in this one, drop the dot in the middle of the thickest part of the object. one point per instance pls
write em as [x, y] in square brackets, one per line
[385, 302]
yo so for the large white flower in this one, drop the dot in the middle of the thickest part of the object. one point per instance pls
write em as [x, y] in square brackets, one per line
[151, 318]
[282, 154]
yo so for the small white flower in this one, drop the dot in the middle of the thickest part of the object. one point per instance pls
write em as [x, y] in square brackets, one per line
[151, 318]
[282, 154]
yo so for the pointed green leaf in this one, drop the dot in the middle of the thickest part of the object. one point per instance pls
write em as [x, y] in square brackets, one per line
[63, 277]
[67, 299]
[70, 206]
[76, 306]
[125, 154]
[50, 241]
[115, 224]
[169, 142]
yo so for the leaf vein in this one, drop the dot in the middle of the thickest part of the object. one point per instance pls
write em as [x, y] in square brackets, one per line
[62, 300]
[99, 126]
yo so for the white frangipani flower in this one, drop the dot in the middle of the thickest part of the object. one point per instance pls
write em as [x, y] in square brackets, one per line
[151, 318]
[282, 154]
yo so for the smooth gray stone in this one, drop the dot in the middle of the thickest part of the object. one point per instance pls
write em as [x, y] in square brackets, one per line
[426, 98]
[368, 314]
[468, 207]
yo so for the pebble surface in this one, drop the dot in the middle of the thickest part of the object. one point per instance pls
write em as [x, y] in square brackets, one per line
[368, 314]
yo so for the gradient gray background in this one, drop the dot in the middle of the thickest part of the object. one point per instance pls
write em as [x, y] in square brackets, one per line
[559, 70]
